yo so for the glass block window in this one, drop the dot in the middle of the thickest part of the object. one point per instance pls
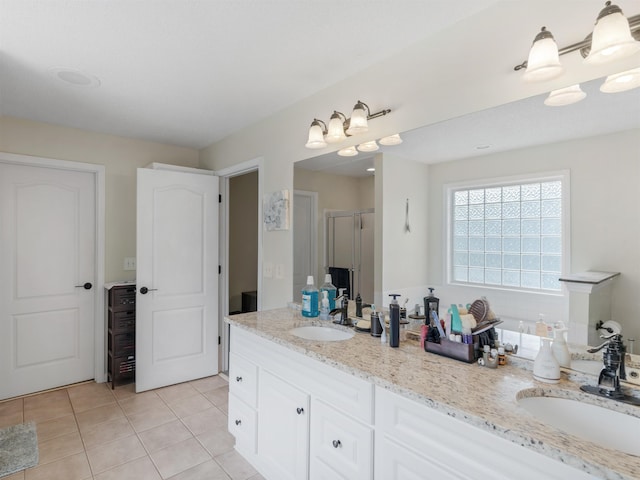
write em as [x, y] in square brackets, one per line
[507, 236]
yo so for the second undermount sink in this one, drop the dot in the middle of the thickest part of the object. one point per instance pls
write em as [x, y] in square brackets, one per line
[325, 334]
[607, 428]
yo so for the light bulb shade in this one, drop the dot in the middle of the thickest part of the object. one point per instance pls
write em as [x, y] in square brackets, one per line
[543, 62]
[316, 136]
[358, 122]
[621, 82]
[611, 38]
[371, 146]
[565, 96]
[391, 140]
[348, 152]
[335, 131]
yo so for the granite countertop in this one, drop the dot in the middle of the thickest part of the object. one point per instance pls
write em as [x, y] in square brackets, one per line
[483, 397]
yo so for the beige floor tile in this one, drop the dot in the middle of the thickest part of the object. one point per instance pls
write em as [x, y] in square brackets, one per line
[59, 447]
[91, 395]
[107, 432]
[11, 419]
[219, 396]
[217, 441]
[47, 406]
[209, 383]
[141, 403]
[56, 427]
[75, 467]
[124, 391]
[47, 399]
[11, 407]
[140, 469]
[15, 476]
[162, 436]
[205, 471]
[205, 421]
[90, 418]
[183, 407]
[152, 418]
[112, 454]
[175, 392]
[236, 466]
[179, 457]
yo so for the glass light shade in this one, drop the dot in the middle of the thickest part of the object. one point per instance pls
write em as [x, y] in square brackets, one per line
[371, 146]
[316, 136]
[565, 96]
[611, 38]
[543, 62]
[621, 82]
[335, 131]
[348, 152]
[391, 140]
[358, 122]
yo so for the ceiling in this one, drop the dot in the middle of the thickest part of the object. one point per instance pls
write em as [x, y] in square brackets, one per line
[191, 72]
[521, 124]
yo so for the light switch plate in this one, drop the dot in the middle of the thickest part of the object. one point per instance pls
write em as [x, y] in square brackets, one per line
[280, 271]
[267, 269]
[129, 263]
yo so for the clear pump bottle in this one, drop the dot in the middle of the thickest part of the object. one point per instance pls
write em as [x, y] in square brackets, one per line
[328, 287]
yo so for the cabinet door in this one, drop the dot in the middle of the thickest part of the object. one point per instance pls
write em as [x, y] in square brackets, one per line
[341, 447]
[283, 428]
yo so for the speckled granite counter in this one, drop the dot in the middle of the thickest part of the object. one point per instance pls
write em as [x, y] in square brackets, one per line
[486, 398]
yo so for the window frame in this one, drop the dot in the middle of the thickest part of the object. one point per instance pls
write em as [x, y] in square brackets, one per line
[448, 190]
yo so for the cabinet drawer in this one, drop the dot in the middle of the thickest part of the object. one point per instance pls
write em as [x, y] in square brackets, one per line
[122, 297]
[243, 379]
[242, 424]
[123, 344]
[341, 447]
[124, 321]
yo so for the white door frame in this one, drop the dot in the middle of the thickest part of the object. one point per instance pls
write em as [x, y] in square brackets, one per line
[98, 171]
[313, 196]
[223, 285]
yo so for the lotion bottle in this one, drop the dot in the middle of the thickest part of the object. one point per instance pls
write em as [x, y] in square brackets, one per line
[560, 349]
[545, 367]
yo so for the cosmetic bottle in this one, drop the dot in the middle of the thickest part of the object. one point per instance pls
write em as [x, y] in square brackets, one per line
[394, 322]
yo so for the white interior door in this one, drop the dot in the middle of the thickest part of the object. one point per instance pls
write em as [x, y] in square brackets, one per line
[47, 258]
[177, 278]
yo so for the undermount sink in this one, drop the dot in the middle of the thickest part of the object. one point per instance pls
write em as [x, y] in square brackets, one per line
[607, 428]
[325, 334]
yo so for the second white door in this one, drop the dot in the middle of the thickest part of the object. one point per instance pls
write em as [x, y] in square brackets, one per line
[177, 278]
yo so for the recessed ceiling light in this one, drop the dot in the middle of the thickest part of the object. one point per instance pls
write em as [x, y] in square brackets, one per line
[75, 77]
[371, 169]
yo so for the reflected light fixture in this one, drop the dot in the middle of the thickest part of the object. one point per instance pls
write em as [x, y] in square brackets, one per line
[391, 140]
[613, 38]
[565, 96]
[340, 126]
[370, 146]
[371, 169]
[621, 82]
[348, 152]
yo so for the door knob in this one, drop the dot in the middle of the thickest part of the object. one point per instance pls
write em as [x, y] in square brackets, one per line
[238, 422]
[336, 443]
[86, 286]
[144, 290]
[300, 410]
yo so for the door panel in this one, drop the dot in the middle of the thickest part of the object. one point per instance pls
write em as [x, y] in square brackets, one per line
[48, 239]
[177, 260]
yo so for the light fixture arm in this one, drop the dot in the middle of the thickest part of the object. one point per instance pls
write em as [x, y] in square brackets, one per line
[373, 115]
[585, 45]
[320, 123]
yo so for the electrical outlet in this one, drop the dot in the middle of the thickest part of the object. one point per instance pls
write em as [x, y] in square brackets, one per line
[633, 375]
[267, 269]
[129, 263]
[280, 271]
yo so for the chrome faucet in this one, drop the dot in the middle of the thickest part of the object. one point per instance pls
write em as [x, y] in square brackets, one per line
[613, 371]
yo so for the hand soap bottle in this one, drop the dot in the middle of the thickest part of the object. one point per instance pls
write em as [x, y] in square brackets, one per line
[330, 289]
[545, 367]
[310, 299]
[324, 306]
[560, 349]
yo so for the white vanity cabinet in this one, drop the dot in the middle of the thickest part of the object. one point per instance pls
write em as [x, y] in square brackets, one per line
[295, 418]
[415, 442]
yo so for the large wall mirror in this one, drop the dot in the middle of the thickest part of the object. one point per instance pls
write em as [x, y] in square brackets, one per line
[593, 140]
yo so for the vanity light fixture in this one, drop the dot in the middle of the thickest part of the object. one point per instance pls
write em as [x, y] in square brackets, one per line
[340, 126]
[348, 152]
[614, 37]
[621, 82]
[370, 146]
[391, 140]
[565, 96]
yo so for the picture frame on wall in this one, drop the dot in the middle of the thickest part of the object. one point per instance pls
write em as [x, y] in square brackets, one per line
[276, 210]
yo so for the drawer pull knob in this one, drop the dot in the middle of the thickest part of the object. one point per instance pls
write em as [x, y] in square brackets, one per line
[238, 379]
[238, 422]
[300, 410]
[336, 443]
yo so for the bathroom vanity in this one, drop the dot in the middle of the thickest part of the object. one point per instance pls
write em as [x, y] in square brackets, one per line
[356, 409]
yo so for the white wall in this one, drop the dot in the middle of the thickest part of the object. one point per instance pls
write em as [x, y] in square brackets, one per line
[120, 156]
[605, 220]
[466, 68]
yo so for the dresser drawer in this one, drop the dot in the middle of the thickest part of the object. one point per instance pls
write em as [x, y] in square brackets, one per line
[243, 379]
[122, 297]
[124, 321]
[242, 424]
[122, 345]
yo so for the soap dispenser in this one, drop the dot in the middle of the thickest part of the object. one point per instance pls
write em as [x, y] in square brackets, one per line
[545, 367]
[560, 349]
[324, 306]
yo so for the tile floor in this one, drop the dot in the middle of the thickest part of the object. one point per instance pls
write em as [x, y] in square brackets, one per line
[92, 432]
